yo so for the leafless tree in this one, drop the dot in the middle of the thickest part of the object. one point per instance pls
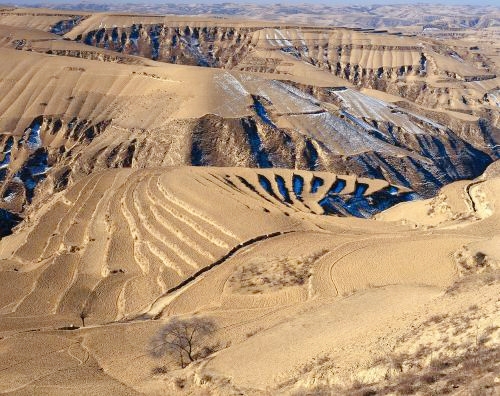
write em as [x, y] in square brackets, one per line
[185, 340]
[83, 314]
[84, 311]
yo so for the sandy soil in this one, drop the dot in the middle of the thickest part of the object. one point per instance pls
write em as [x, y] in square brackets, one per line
[340, 289]
[306, 298]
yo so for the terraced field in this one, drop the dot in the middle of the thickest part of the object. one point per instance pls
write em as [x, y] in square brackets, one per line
[118, 232]
[125, 250]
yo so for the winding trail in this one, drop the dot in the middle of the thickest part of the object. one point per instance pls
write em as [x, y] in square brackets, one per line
[469, 196]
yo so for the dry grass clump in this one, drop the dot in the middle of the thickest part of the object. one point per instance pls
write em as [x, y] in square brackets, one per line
[180, 382]
[436, 319]
[474, 262]
[488, 277]
[308, 369]
[472, 373]
[275, 273]
[462, 358]
[159, 370]
[449, 352]
[439, 205]
[253, 332]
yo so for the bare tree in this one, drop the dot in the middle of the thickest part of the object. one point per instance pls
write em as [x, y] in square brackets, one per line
[83, 314]
[184, 339]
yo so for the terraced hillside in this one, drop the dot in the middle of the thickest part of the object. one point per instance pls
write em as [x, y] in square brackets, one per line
[97, 269]
[263, 179]
[121, 231]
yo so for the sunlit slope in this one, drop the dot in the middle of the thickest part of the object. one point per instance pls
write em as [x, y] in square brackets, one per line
[117, 240]
[38, 84]
[393, 277]
[458, 205]
[319, 279]
[313, 299]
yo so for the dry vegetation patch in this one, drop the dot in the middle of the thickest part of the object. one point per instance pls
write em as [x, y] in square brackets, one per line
[473, 373]
[263, 274]
[455, 349]
[489, 277]
[470, 262]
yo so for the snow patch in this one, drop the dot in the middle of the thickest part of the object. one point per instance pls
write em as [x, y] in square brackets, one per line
[32, 137]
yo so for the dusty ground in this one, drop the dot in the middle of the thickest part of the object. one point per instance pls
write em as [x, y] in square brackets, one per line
[318, 281]
[330, 304]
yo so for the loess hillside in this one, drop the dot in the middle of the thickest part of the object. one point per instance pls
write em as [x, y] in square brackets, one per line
[257, 251]
[155, 91]
[326, 197]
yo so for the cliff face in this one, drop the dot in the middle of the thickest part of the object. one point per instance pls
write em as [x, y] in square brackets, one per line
[419, 69]
[206, 46]
[367, 59]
